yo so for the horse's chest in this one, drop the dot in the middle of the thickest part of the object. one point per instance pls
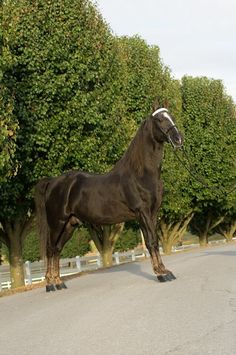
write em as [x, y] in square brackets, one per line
[151, 194]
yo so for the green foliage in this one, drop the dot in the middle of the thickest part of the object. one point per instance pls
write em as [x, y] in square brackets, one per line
[210, 135]
[128, 240]
[147, 78]
[5, 253]
[8, 128]
[71, 97]
[63, 77]
[31, 249]
[177, 202]
[210, 141]
[77, 245]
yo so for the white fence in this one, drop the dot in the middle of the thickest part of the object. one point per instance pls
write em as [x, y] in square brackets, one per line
[34, 272]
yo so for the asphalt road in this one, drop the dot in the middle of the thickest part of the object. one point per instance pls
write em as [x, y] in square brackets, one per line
[125, 311]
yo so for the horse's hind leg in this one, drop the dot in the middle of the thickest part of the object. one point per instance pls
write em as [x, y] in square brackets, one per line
[49, 276]
[62, 240]
[56, 272]
[50, 254]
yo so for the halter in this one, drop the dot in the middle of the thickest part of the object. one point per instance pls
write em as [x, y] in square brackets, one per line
[159, 110]
[163, 109]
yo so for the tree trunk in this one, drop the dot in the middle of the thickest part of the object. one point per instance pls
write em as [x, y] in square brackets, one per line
[228, 231]
[204, 231]
[167, 246]
[203, 240]
[93, 247]
[107, 259]
[13, 234]
[16, 263]
[105, 238]
[170, 233]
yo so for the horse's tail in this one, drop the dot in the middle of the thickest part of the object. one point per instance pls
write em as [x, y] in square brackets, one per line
[42, 224]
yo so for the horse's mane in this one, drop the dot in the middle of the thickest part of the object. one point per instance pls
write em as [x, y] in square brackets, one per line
[134, 156]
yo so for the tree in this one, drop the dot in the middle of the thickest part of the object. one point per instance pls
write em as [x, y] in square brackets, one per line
[228, 228]
[62, 76]
[129, 239]
[176, 210]
[8, 122]
[210, 141]
[105, 238]
[8, 128]
[147, 79]
[78, 244]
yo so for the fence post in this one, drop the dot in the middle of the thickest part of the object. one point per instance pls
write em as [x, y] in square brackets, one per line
[28, 272]
[78, 263]
[133, 255]
[117, 259]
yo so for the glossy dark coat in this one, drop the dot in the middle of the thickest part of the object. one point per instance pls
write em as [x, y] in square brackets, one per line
[131, 190]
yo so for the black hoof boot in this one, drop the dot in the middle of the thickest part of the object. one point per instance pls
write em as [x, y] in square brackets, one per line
[162, 278]
[63, 285]
[50, 288]
[172, 276]
[59, 286]
[166, 277]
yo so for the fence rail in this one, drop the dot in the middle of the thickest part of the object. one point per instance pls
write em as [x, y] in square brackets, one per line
[34, 272]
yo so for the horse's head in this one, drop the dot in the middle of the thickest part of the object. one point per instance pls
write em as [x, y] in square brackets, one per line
[165, 128]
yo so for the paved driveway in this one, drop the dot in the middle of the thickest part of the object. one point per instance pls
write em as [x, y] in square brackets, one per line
[125, 311]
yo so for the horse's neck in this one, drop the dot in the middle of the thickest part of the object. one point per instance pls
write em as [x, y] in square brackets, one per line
[152, 152]
[144, 153]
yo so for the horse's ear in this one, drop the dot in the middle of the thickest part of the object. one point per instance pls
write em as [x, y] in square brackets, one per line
[166, 103]
[155, 105]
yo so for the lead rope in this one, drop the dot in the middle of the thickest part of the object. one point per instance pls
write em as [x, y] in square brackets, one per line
[200, 179]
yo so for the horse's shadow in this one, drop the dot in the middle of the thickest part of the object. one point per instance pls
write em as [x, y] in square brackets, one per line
[133, 268]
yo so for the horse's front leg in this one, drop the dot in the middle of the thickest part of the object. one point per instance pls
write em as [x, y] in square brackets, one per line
[148, 229]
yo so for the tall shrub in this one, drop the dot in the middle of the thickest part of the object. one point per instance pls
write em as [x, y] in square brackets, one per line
[62, 77]
[210, 140]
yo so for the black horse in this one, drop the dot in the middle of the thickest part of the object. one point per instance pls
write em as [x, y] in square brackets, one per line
[132, 190]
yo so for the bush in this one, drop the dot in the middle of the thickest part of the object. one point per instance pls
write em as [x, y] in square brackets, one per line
[31, 248]
[129, 239]
[77, 245]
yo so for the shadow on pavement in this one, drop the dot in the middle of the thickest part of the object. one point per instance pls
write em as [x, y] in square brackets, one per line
[133, 268]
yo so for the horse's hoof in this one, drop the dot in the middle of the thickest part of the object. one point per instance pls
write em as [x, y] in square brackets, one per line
[171, 276]
[50, 288]
[59, 286]
[162, 278]
[166, 277]
[63, 285]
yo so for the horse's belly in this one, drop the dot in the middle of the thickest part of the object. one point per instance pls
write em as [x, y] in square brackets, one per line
[103, 211]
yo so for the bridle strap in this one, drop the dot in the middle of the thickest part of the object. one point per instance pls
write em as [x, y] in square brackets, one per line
[162, 109]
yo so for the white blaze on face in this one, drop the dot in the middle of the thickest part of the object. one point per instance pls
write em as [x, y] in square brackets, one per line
[166, 115]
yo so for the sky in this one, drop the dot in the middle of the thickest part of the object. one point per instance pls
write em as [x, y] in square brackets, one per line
[195, 38]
